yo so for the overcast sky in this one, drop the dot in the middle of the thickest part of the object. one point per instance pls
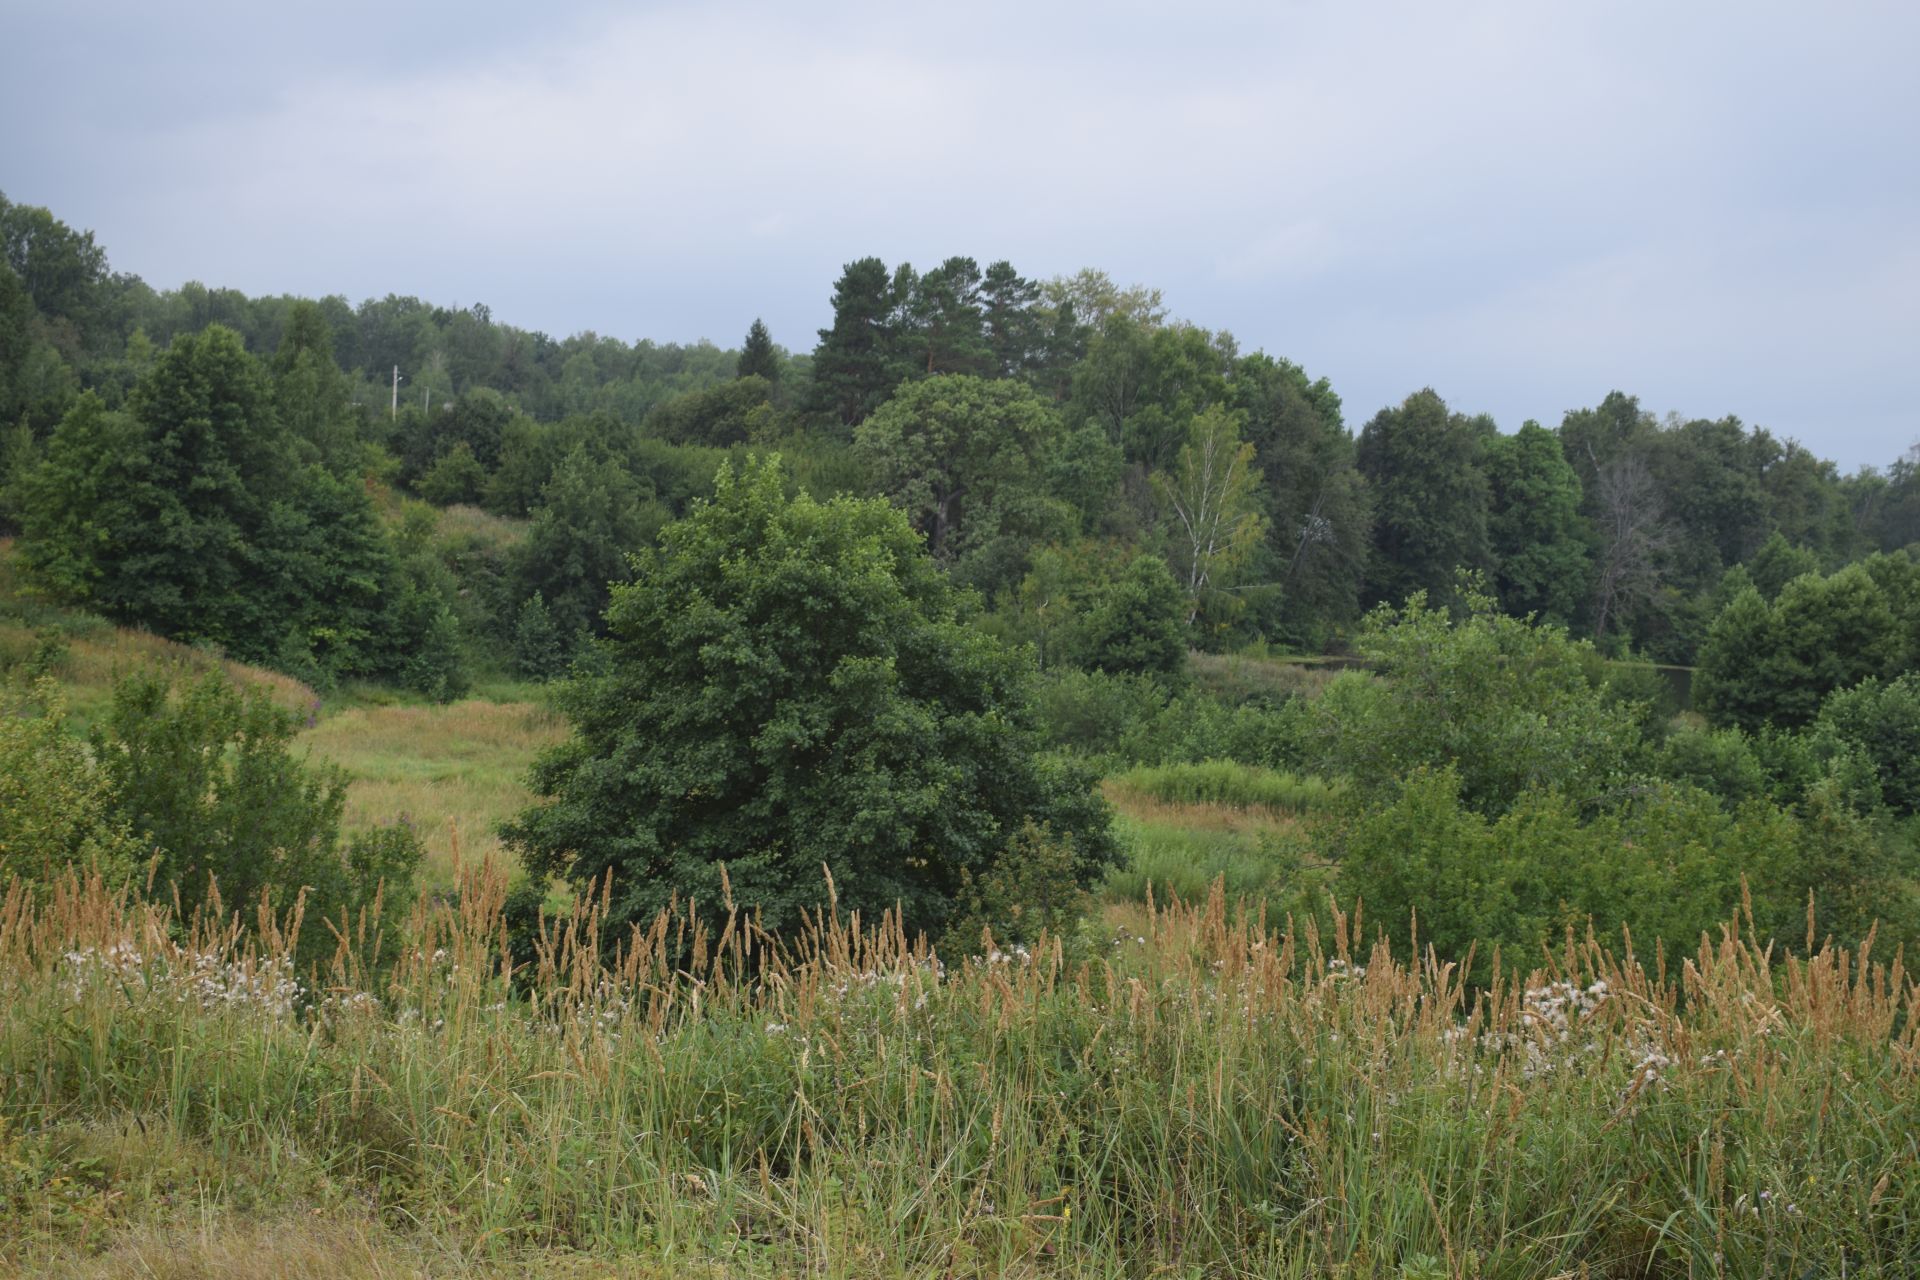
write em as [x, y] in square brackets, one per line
[1714, 206]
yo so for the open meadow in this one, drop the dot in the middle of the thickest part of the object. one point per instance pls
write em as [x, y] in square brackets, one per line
[456, 772]
[1175, 1088]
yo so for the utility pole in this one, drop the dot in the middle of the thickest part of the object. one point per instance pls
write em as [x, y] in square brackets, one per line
[395, 413]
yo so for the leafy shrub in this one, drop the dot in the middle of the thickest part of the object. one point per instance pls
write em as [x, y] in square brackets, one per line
[56, 804]
[1720, 761]
[1668, 865]
[539, 650]
[205, 777]
[1122, 720]
[1507, 704]
[1135, 623]
[1035, 888]
[456, 476]
[1097, 714]
[1881, 721]
[1774, 663]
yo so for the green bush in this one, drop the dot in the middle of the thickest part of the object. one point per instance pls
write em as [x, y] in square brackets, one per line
[1775, 662]
[204, 775]
[1035, 889]
[1506, 704]
[1096, 714]
[1720, 761]
[539, 650]
[1670, 864]
[1882, 722]
[456, 476]
[56, 804]
[1122, 720]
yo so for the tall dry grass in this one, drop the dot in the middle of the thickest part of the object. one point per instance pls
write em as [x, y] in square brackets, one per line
[1207, 1097]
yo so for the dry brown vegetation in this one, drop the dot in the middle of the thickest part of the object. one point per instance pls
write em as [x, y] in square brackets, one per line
[1194, 1095]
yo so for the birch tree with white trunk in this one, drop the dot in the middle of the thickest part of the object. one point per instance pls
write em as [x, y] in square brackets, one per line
[1209, 501]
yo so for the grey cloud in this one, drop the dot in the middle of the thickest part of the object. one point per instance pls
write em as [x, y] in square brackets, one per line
[1522, 205]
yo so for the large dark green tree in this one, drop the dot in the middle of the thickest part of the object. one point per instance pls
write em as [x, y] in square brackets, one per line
[179, 548]
[63, 270]
[1134, 623]
[1319, 515]
[195, 514]
[1144, 383]
[1774, 664]
[1533, 526]
[1423, 466]
[313, 397]
[758, 359]
[1015, 343]
[945, 321]
[791, 686]
[593, 517]
[858, 362]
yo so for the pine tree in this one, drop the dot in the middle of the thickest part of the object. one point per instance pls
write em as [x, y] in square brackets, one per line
[757, 356]
[857, 364]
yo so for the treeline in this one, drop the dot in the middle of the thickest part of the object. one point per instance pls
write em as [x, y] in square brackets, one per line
[1117, 486]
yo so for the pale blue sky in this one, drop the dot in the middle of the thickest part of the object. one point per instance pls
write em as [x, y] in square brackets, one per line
[1714, 206]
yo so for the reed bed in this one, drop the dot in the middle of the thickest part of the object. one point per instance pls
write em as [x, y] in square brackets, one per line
[1207, 1097]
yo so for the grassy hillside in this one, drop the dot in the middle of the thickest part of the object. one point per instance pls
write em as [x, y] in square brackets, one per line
[83, 654]
[454, 771]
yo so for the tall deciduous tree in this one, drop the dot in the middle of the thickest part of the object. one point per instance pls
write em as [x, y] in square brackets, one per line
[1318, 512]
[1211, 509]
[1534, 527]
[945, 447]
[1422, 464]
[591, 521]
[194, 515]
[312, 396]
[1633, 538]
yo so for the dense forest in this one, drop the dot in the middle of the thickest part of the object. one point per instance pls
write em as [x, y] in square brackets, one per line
[237, 470]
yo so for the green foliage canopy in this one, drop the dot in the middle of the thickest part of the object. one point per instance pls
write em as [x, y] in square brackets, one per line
[790, 684]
